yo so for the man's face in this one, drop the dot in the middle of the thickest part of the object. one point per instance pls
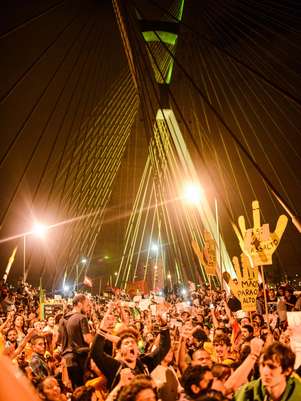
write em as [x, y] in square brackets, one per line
[271, 373]
[244, 321]
[244, 333]
[129, 349]
[39, 346]
[38, 326]
[201, 357]
[12, 336]
[111, 320]
[221, 349]
[51, 321]
[146, 394]
[51, 389]
[206, 382]
[85, 306]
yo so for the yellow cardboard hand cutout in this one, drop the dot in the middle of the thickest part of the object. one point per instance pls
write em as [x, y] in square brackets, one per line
[207, 258]
[245, 288]
[258, 242]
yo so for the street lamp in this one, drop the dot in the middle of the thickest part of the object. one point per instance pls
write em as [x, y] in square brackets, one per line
[39, 230]
[193, 193]
[154, 248]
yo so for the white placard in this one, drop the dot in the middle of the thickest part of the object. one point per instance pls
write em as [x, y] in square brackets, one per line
[144, 304]
[294, 323]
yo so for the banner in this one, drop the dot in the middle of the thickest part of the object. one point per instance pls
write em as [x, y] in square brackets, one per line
[258, 242]
[9, 264]
[136, 287]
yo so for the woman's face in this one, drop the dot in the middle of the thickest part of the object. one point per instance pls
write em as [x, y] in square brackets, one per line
[147, 394]
[51, 389]
[19, 321]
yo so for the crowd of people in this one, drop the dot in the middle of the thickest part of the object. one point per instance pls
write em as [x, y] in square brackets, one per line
[197, 345]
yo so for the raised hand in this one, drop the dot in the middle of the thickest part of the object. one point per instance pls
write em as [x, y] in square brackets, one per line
[258, 242]
[245, 288]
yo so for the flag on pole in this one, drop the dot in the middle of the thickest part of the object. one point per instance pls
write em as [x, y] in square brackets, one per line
[9, 264]
[88, 282]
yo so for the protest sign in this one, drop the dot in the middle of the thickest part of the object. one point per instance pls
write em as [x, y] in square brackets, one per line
[245, 288]
[294, 324]
[144, 304]
[258, 242]
[52, 309]
[207, 258]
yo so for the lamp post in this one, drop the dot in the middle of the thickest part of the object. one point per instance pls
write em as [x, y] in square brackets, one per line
[193, 193]
[38, 230]
[169, 278]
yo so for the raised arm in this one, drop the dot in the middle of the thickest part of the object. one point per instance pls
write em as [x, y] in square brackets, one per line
[154, 358]
[107, 364]
[240, 376]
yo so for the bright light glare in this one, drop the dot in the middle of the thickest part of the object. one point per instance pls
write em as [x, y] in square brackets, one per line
[39, 230]
[193, 193]
[154, 247]
[184, 291]
[84, 261]
[66, 288]
[169, 276]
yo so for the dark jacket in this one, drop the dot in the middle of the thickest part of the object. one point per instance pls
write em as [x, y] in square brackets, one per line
[145, 363]
[39, 367]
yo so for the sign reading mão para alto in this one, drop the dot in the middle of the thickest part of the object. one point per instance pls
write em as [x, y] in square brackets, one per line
[245, 287]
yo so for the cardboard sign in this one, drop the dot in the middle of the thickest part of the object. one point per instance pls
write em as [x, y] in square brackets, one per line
[153, 309]
[207, 258]
[246, 286]
[294, 324]
[258, 242]
[144, 304]
[137, 298]
[52, 309]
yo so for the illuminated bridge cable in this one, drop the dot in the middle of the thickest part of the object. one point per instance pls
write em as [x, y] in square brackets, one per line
[33, 152]
[23, 24]
[44, 52]
[238, 61]
[260, 171]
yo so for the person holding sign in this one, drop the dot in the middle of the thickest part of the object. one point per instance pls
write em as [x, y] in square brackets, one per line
[245, 287]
